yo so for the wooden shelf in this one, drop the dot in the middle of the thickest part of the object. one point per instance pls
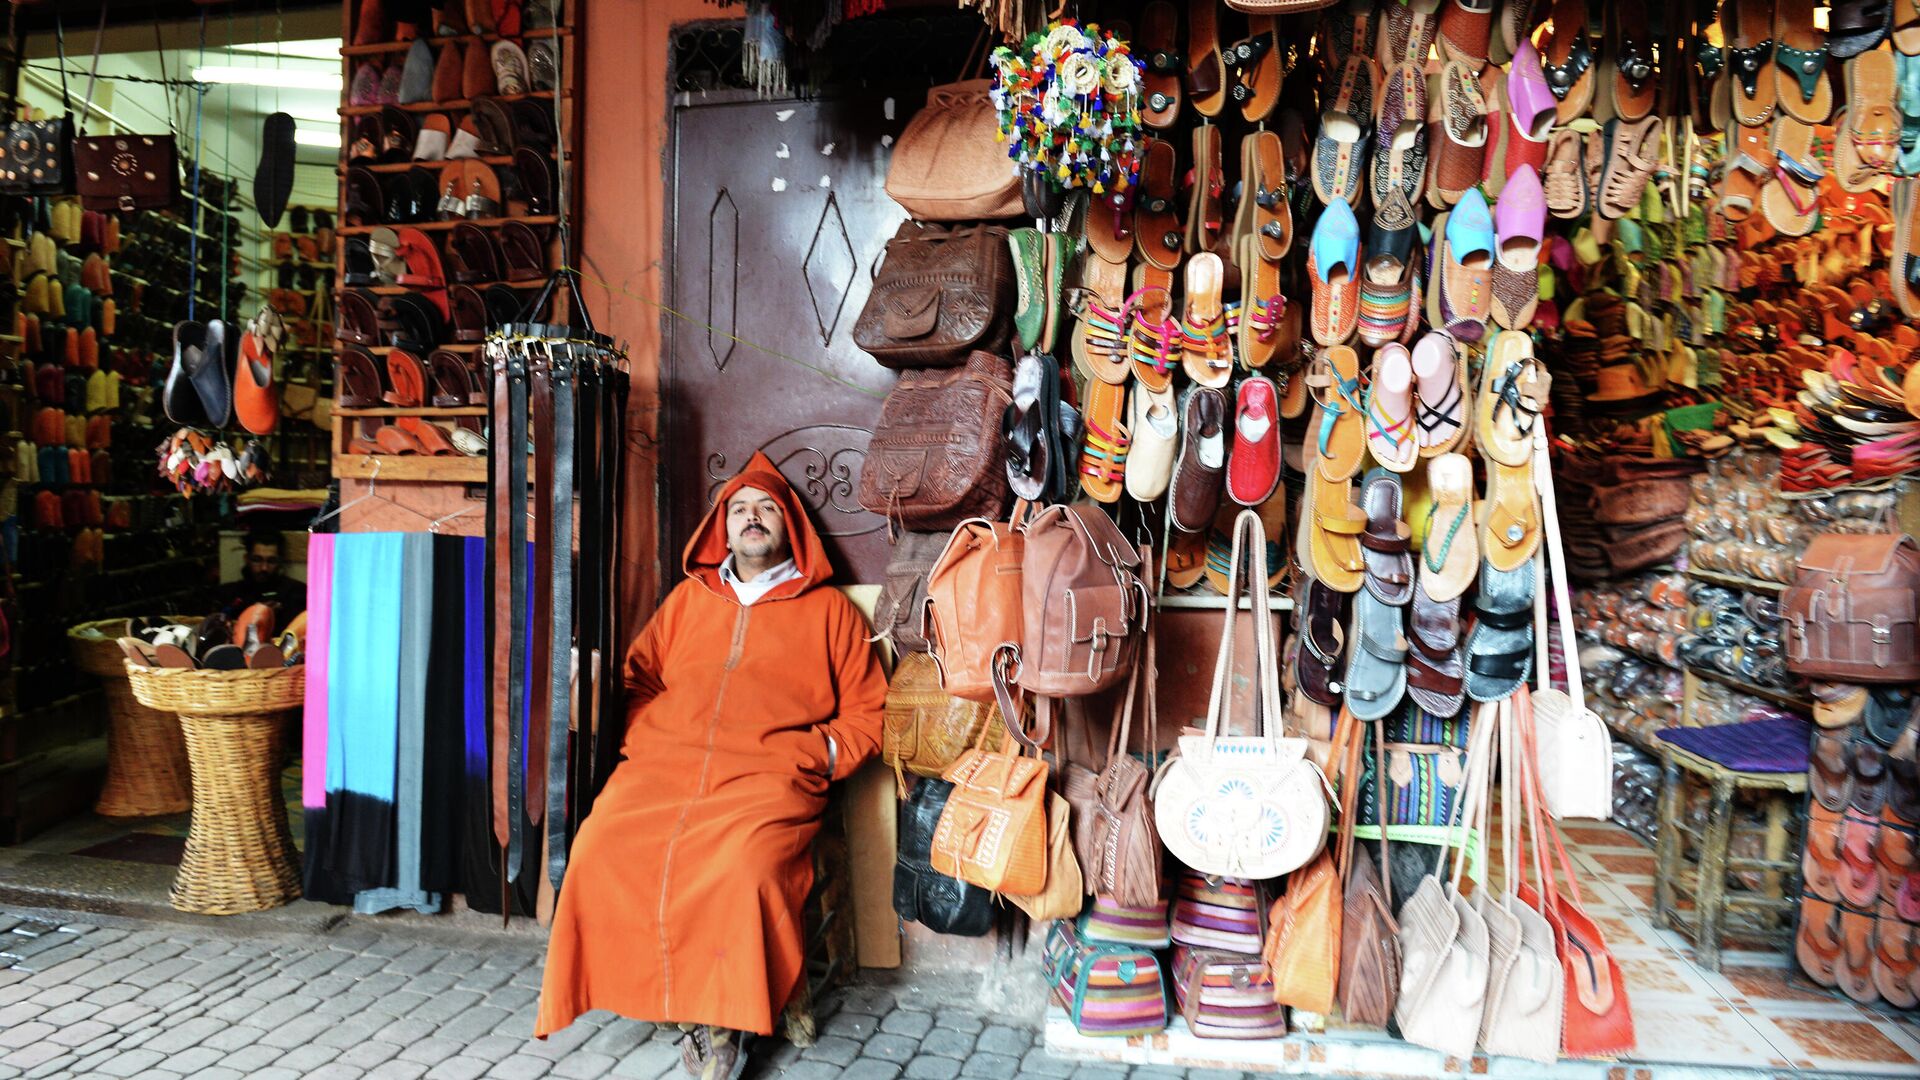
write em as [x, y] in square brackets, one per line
[1217, 603]
[397, 290]
[416, 410]
[402, 46]
[449, 470]
[444, 226]
[456, 105]
[1767, 693]
[502, 160]
[1736, 581]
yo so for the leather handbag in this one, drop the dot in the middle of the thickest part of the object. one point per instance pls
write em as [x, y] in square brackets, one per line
[973, 603]
[939, 902]
[1064, 894]
[923, 728]
[1368, 979]
[1250, 806]
[935, 457]
[39, 153]
[126, 172]
[1224, 995]
[1443, 939]
[1525, 995]
[939, 295]
[1576, 748]
[899, 615]
[993, 831]
[1107, 989]
[1119, 849]
[950, 164]
[1144, 926]
[1303, 949]
[1851, 610]
[1218, 913]
[1084, 607]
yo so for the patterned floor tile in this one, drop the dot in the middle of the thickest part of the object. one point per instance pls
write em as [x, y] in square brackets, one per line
[1834, 1043]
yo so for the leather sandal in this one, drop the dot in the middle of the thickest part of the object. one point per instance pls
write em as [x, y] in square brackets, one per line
[1377, 658]
[1854, 969]
[1749, 170]
[1437, 662]
[1333, 271]
[1158, 42]
[1817, 944]
[1333, 526]
[1389, 409]
[1820, 860]
[408, 377]
[1341, 446]
[1894, 965]
[1568, 61]
[359, 318]
[1792, 201]
[1500, 644]
[1510, 523]
[1750, 60]
[1205, 218]
[1255, 60]
[472, 255]
[1156, 221]
[1633, 155]
[357, 380]
[1103, 454]
[526, 252]
[1636, 73]
[1830, 773]
[1153, 334]
[1321, 621]
[1800, 58]
[1450, 552]
[1385, 544]
[1206, 348]
[1206, 71]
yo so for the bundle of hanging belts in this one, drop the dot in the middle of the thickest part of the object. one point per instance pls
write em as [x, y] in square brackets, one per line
[562, 391]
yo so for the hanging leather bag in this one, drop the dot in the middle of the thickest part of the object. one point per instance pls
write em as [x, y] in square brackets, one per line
[1525, 994]
[1085, 605]
[993, 831]
[1107, 988]
[899, 615]
[1576, 748]
[1250, 806]
[940, 294]
[39, 153]
[1119, 849]
[935, 457]
[924, 729]
[1369, 971]
[973, 603]
[950, 164]
[1065, 893]
[128, 172]
[1851, 611]
[939, 902]
[1303, 943]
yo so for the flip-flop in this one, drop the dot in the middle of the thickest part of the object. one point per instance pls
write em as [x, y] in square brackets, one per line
[1906, 27]
[1500, 644]
[1156, 220]
[1392, 436]
[1206, 350]
[1206, 71]
[1513, 390]
[1450, 552]
[1027, 461]
[1376, 659]
[1341, 446]
[1386, 544]
[1340, 151]
[1400, 135]
[1792, 201]
[1159, 31]
[1800, 57]
[1636, 72]
[1457, 135]
[1711, 102]
[1255, 60]
[1333, 268]
[1321, 623]
[1153, 334]
[1750, 60]
[1334, 525]
[1568, 60]
[1103, 454]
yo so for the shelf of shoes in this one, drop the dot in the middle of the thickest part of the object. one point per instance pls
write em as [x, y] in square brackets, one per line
[375, 50]
[301, 284]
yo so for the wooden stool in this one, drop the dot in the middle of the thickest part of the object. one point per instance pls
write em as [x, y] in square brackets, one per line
[239, 853]
[1730, 760]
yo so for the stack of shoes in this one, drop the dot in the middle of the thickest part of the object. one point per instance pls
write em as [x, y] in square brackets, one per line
[1643, 614]
[253, 639]
[1737, 634]
[1622, 513]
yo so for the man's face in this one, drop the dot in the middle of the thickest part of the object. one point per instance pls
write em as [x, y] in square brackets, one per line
[263, 561]
[755, 528]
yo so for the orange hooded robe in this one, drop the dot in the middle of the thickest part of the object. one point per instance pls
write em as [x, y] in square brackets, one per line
[683, 895]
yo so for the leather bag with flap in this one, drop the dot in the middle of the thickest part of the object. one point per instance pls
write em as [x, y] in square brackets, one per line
[993, 831]
[900, 614]
[973, 603]
[1851, 611]
[924, 729]
[1575, 747]
[935, 458]
[1085, 606]
[1119, 850]
[126, 172]
[939, 902]
[949, 164]
[940, 294]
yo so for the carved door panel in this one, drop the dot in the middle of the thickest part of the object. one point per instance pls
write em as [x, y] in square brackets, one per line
[778, 215]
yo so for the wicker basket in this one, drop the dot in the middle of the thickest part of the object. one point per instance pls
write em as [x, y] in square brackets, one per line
[147, 772]
[239, 847]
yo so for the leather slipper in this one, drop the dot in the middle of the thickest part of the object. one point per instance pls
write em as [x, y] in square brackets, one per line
[1400, 135]
[1333, 263]
[1520, 224]
[1464, 30]
[1340, 151]
[1341, 445]
[1195, 496]
[476, 72]
[256, 404]
[408, 377]
[1463, 263]
[510, 72]
[1450, 550]
[1800, 58]
[1857, 26]
[1406, 33]
[1155, 427]
[1159, 38]
[1457, 135]
[1385, 545]
[1206, 71]
[1500, 644]
[1253, 467]
[1376, 660]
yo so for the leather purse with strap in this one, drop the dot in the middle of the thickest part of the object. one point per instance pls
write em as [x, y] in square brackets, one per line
[1576, 748]
[939, 295]
[950, 164]
[924, 728]
[1305, 932]
[38, 159]
[1369, 972]
[1121, 857]
[993, 831]
[128, 172]
[1525, 993]
[1851, 611]
[936, 454]
[942, 904]
[899, 616]
[973, 603]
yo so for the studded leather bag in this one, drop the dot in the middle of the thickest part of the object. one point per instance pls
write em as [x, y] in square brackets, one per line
[935, 457]
[1851, 612]
[940, 294]
[126, 172]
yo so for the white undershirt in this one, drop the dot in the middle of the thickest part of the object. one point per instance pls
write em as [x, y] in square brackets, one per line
[748, 592]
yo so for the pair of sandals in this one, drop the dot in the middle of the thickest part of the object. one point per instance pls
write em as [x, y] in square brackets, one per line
[1868, 955]
[1040, 430]
[445, 379]
[410, 320]
[248, 641]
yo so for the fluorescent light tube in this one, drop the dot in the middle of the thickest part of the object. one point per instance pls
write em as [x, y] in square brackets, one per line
[279, 77]
[315, 137]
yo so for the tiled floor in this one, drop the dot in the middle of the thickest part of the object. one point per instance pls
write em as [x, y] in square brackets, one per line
[1756, 1016]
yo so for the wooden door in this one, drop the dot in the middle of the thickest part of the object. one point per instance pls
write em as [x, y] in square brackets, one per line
[778, 214]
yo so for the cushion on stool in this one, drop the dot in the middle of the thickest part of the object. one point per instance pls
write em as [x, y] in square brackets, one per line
[1777, 745]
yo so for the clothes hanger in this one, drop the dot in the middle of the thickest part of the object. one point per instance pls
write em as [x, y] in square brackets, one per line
[434, 525]
[372, 493]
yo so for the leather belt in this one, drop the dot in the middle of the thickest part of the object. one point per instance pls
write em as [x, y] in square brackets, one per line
[559, 461]
[516, 513]
[540, 582]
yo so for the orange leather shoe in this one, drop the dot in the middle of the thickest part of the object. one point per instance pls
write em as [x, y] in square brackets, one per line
[255, 401]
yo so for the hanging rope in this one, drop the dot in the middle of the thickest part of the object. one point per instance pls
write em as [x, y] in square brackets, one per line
[193, 212]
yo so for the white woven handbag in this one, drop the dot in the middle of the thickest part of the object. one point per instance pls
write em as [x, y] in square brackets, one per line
[1244, 806]
[1576, 750]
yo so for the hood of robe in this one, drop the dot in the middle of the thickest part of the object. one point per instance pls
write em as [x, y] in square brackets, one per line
[708, 548]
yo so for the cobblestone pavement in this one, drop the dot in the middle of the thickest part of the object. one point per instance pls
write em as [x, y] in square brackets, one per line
[166, 1000]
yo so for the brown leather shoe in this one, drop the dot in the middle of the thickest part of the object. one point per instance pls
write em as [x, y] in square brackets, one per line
[1203, 460]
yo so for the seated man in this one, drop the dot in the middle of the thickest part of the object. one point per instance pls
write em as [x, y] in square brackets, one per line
[750, 688]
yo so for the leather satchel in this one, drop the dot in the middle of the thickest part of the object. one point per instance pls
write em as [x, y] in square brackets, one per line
[993, 831]
[899, 615]
[1576, 748]
[1085, 605]
[935, 457]
[1065, 892]
[939, 902]
[1525, 995]
[1248, 806]
[940, 294]
[1369, 969]
[923, 728]
[1851, 611]
[126, 172]
[950, 164]
[1119, 849]
[973, 603]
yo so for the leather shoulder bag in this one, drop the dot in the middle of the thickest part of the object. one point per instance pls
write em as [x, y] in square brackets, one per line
[1303, 942]
[39, 153]
[1525, 994]
[936, 455]
[128, 172]
[1368, 981]
[1576, 748]
[973, 603]
[949, 164]
[940, 294]
[942, 904]
[899, 616]
[1085, 607]
[1850, 613]
[1248, 806]
[924, 728]
[993, 831]
[1120, 853]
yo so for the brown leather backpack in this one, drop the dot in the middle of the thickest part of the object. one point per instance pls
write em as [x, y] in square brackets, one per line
[940, 294]
[923, 728]
[948, 165]
[1085, 605]
[1851, 611]
[1114, 835]
[973, 603]
[899, 615]
[935, 458]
